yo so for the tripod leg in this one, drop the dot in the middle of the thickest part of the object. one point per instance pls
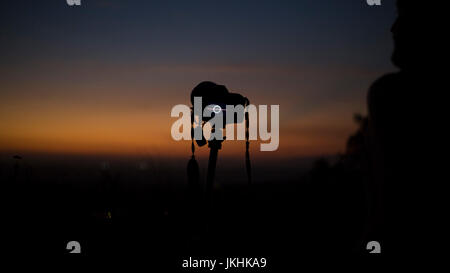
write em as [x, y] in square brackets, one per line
[210, 175]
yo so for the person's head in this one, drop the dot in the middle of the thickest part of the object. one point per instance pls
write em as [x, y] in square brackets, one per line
[410, 35]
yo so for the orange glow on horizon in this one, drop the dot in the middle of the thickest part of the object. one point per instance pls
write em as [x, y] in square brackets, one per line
[144, 132]
[88, 118]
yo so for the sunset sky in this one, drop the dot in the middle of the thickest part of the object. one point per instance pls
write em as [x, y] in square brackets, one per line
[103, 77]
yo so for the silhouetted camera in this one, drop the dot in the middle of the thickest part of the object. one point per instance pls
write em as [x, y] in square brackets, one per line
[215, 98]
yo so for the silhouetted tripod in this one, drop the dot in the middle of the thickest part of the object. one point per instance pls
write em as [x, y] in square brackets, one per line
[217, 95]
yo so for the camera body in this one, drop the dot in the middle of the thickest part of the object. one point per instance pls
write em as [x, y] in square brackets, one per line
[215, 99]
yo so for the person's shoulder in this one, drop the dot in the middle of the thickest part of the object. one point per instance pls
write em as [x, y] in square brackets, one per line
[386, 82]
[384, 87]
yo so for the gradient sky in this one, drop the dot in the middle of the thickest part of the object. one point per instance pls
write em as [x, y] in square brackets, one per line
[103, 77]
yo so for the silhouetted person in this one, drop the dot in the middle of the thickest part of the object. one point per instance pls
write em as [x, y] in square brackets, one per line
[398, 137]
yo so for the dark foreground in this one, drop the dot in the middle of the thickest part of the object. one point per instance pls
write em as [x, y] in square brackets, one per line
[281, 221]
